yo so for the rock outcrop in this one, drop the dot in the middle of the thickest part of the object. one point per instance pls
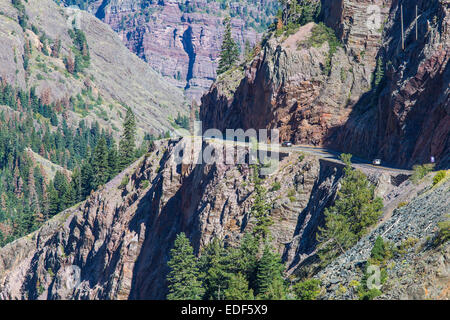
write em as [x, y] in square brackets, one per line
[372, 100]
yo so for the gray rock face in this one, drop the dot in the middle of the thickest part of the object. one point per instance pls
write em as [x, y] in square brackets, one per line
[421, 272]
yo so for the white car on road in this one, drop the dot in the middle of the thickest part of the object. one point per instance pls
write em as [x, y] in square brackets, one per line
[376, 162]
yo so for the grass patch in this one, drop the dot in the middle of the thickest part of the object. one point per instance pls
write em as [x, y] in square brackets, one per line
[443, 234]
[145, 184]
[291, 195]
[439, 177]
[320, 34]
[275, 186]
[420, 171]
[124, 182]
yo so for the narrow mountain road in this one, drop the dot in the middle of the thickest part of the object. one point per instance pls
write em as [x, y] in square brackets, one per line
[320, 152]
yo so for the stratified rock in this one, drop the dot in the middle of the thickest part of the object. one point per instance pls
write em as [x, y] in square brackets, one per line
[182, 40]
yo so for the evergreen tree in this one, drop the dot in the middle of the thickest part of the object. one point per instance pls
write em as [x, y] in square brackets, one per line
[230, 50]
[238, 288]
[355, 209]
[53, 199]
[269, 278]
[213, 269]
[247, 257]
[261, 208]
[100, 163]
[113, 161]
[183, 275]
[76, 185]
[127, 144]
[87, 174]
[379, 73]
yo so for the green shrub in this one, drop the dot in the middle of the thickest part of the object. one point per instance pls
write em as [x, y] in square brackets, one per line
[363, 290]
[307, 290]
[443, 234]
[370, 294]
[402, 204]
[379, 250]
[124, 182]
[145, 184]
[276, 186]
[420, 171]
[439, 177]
[301, 158]
[291, 195]
[382, 252]
[319, 35]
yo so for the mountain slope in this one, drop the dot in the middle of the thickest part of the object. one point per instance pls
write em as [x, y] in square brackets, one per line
[182, 39]
[117, 242]
[114, 74]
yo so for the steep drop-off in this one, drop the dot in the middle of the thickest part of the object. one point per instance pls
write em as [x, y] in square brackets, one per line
[115, 245]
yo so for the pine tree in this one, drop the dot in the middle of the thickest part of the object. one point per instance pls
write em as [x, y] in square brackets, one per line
[238, 288]
[214, 271]
[87, 184]
[379, 74]
[269, 278]
[53, 200]
[261, 208]
[355, 209]
[230, 50]
[113, 161]
[247, 261]
[76, 185]
[183, 275]
[127, 144]
[100, 163]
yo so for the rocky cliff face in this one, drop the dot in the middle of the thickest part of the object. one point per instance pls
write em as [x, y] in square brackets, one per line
[182, 40]
[116, 75]
[115, 245]
[411, 108]
[401, 115]
[418, 271]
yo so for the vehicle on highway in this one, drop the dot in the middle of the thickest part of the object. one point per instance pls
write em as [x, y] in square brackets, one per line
[287, 144]
[376, 162]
